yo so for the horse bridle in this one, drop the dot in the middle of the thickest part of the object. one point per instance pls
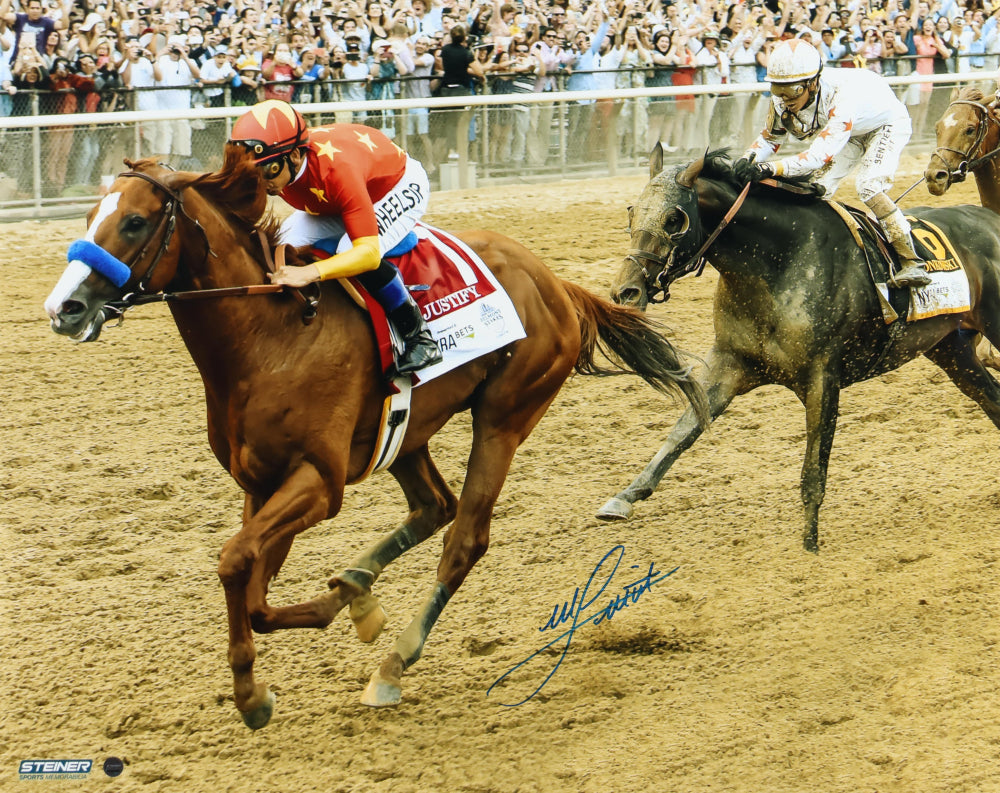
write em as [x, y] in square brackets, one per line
[670, 268]
[167, 225]
[964, 165]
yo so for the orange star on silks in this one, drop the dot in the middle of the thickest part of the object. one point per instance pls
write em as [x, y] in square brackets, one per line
[833, 112]
[755, 146]
[326, 149]
[828, 158]
[825, 133]
[319, 192]
[366, 139]
[848, 125]
[803, 155]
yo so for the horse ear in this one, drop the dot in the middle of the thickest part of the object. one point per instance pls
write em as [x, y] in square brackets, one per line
[656, 160]
[686, 177]
[130, 164]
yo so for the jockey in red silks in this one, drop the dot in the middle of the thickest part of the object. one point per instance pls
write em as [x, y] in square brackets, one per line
[853, 118]
[356, 193]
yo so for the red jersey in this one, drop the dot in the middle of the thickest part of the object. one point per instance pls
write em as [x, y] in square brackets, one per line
[348, 168]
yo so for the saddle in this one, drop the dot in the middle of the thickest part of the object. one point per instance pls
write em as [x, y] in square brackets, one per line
[880, 257]
[949, 292]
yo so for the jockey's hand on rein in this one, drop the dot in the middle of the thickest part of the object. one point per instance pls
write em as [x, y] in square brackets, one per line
[294, 276]
[746, 170]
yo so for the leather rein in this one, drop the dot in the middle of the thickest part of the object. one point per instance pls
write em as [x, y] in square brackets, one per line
[965, 165]
[165, 229]
[694, 263]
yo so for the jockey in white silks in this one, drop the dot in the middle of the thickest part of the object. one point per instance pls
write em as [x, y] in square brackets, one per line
[853, 119]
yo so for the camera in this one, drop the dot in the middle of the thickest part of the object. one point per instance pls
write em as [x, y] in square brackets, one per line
[354, 56]
[175, 50]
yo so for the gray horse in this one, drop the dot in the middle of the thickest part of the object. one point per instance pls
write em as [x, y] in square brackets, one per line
[795, 306]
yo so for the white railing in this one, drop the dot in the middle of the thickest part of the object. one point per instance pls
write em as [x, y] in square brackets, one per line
[29, 141]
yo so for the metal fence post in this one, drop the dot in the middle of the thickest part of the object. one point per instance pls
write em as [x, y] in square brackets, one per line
[36, 152]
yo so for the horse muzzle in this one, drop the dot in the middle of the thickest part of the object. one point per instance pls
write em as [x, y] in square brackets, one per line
[631, 286]
[74, 320]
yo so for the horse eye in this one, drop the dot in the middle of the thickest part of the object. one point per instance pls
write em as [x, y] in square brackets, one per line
[134, 223]
[970, 131]
[674, 220]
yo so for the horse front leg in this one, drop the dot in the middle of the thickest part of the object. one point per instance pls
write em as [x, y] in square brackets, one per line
[822, 402]
[247, 563]
[724, 379]
[432, 505]
[497, 432]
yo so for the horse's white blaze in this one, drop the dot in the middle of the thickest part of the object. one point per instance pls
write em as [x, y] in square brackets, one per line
[77, 272]
[108, 205]
[949, 121]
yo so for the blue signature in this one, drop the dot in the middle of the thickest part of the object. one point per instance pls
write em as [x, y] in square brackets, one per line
[572, 612]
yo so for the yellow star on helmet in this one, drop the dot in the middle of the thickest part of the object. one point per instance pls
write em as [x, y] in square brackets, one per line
[262, 110]
[319, 193]
[309, 211]
[366, 139]
[326, 149]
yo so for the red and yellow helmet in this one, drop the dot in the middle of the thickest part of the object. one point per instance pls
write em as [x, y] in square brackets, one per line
[269, 130]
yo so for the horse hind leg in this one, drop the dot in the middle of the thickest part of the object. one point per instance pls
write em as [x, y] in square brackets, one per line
[956, 355]
[432, 505]
[988, 354]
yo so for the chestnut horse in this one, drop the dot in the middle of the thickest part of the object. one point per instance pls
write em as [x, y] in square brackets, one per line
[968, 139]
[294, 410]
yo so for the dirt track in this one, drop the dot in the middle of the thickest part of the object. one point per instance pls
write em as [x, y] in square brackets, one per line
[755, 667]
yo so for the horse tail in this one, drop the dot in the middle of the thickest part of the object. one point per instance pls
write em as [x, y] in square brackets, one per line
[634, 344]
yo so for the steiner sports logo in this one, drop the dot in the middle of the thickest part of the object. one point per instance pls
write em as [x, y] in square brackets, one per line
[55, 769]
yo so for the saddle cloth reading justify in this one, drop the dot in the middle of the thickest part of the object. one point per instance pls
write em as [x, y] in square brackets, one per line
[468, 311]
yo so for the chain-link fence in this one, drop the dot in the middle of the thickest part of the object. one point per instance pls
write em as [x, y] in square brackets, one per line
[50, 162]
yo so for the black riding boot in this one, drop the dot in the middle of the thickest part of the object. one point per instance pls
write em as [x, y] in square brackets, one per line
[420, 349]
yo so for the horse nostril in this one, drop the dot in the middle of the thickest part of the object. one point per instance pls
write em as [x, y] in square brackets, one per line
[627, 296]
[71, 308]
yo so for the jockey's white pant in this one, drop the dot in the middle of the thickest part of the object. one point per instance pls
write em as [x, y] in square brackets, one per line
[397, 212]
[877, 157]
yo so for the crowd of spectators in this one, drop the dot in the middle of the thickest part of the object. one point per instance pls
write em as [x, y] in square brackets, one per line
[61, 56]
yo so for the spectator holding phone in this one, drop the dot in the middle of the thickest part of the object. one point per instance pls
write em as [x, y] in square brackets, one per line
[179, 72]
[32, 25]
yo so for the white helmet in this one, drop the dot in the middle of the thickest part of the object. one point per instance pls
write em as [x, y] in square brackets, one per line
[793, 61]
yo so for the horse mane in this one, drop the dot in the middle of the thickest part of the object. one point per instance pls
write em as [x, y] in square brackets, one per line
[236, 188]
[238, 193]
[719, 166]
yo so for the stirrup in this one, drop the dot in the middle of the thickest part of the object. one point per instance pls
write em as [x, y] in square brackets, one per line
[912, 275]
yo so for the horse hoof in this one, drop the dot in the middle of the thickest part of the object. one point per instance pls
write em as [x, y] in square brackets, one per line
[381, 693]
[616, 509]
[368, 616]
[811, 545]
[261, 715]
